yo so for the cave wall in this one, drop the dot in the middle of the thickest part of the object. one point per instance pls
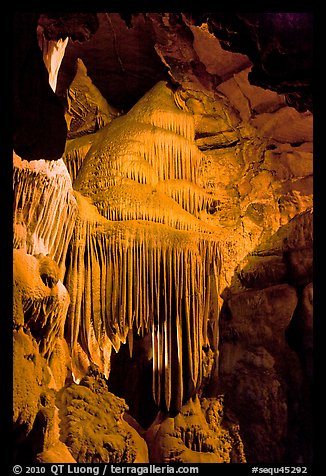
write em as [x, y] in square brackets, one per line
[231, 164]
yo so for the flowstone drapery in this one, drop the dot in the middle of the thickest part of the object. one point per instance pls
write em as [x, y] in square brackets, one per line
[140, 259]
[44, 213]
[44, 208]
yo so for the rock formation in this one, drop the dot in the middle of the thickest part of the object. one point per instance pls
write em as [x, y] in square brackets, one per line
[154, 277]
[163, 249]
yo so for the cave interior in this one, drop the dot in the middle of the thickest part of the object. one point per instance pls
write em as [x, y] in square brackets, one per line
[163, 238]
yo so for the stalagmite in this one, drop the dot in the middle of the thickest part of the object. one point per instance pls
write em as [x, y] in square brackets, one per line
[140, 259]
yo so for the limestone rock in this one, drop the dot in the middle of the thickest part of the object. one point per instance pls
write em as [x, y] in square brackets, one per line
[196, 434]
[301, 332]
[266, 422]
[212, 111]
[34, 411]
[40, 363]
[307, 316]
[289, 162]
[250, 100]
[286, 125]
[265, 379]
[59, 363]
[296, 234]
[104, 436]
[258, 370]
[140, 180]
[260, 100]
[216, 60]
[58, 453]
[262, 271]
[293, 202]
[275, 56]
[215, 44]
[221, 140]
[208, 125]
[236, 98]
[222, 168]
[44, 307]
[300, 265]
[87, 110]
[263, 315]
[29, 379]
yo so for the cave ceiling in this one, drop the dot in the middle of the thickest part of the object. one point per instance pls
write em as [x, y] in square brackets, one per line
[130, 52]
[125, 54]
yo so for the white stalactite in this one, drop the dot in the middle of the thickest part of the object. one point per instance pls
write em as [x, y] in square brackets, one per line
[53, 53]
[44, 203]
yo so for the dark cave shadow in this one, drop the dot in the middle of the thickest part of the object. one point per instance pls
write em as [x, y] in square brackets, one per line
[281, 245]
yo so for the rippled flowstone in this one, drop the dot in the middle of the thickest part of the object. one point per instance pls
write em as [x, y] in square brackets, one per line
[140, 255]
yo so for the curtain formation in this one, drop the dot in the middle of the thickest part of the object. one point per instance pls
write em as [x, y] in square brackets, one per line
[140, 259]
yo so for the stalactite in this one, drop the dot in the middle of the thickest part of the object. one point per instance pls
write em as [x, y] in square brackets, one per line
[127, 149]
[159, 108]
[75, 152]
[119, 260]
[190, 196]
[140, 258]
[53, 53]
[44, 203]
[140, 148]
[134, 201]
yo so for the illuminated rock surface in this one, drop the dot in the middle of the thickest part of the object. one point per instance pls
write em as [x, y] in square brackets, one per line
[105, 436]
[154, 277]
[44, 208]
[196, 435]
[87, 110]
[163, 260]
